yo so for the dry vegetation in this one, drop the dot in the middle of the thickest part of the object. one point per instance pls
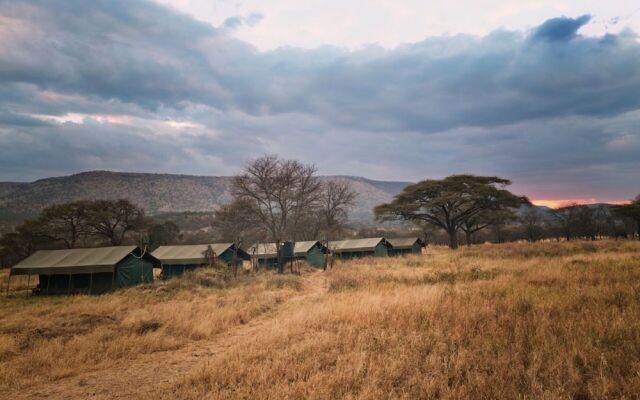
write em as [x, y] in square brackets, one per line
[50, 338]
[548, 320]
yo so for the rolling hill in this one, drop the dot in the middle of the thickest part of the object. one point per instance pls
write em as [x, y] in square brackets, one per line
[158, 193]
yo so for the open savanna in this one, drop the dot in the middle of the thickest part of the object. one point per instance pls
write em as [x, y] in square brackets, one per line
[544, 320]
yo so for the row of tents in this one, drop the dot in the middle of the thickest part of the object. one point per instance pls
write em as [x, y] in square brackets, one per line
[97, 270]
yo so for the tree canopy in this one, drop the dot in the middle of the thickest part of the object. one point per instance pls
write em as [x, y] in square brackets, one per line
[451, 202]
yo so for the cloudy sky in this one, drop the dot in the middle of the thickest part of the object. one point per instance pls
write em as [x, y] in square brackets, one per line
[546, 93]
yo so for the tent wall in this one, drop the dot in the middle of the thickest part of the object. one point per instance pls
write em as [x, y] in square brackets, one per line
[54, 283]
[100, 283]
[267, 261]
[416, 248]
[347, 255]
[227, 257]
[381, 250]
[133, 271]
[315, 257]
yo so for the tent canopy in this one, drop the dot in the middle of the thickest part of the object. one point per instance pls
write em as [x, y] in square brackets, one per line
[405, 243]
[77, 261]
[350, 245]
[193, 254]
[268, 250]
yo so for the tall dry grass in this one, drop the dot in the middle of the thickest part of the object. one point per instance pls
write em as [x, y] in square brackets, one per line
[46, 338]
[546, 320]
[509, 321]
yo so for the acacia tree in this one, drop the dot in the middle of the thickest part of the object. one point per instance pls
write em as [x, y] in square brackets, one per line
[278, 193]
[450, 202]
[114, 219]
[496, 219]
[65, 223]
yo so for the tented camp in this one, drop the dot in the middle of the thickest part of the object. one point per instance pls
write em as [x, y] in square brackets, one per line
[401, 246]
[354, 248]
[312, 251]
[94, 270]
[178, 259]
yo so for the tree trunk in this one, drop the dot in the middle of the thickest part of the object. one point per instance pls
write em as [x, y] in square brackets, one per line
[453, 240]
[468, 238]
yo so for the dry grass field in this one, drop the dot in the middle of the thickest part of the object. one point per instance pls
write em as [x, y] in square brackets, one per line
[545, 320]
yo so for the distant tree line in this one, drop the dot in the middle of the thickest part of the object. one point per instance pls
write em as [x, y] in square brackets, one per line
[480, 209]
[84, 223]
[274, 200]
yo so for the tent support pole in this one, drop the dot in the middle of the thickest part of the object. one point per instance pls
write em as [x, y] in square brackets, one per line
[69, 287]
[90, 282]
[48, 283]
[113, 279]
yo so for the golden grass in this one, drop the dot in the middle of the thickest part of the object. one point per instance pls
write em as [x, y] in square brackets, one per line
[545, 320]
[51, 337]
[471, 324]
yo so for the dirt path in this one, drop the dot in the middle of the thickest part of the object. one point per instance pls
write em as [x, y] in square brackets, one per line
[154, 373]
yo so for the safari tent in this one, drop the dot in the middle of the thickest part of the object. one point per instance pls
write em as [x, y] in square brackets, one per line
[176, 260]
[92, 270]
[312, 251]
[401, 246]
[355, 248]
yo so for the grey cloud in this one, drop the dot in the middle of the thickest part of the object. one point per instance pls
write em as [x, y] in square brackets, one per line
[237, 21]
[531, 106]
[560, 29]
[141, 53]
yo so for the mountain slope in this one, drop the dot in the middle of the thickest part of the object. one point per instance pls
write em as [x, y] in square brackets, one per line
[158, 193]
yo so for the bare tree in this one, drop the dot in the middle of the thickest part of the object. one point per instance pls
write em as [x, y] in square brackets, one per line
[278, 193]
[233, 222]
[336, 200]
[65, 223]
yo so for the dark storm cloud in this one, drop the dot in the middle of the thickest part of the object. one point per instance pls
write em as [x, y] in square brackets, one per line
[452, 103]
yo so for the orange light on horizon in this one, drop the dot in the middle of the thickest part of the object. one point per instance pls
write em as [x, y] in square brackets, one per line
[557, 203]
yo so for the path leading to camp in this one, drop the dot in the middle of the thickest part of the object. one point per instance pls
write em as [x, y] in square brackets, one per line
[154, 373]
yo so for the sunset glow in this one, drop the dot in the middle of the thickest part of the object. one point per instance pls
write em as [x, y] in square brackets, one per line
[557, 203]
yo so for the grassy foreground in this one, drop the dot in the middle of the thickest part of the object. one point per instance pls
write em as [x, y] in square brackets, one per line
[546, 320]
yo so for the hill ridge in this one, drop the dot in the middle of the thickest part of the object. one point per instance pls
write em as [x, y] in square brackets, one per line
[159, 192]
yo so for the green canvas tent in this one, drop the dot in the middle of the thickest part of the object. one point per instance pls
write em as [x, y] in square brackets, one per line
[311, 251]
[401, 246]
[176, 260]
[93, 270]
[355, 248]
